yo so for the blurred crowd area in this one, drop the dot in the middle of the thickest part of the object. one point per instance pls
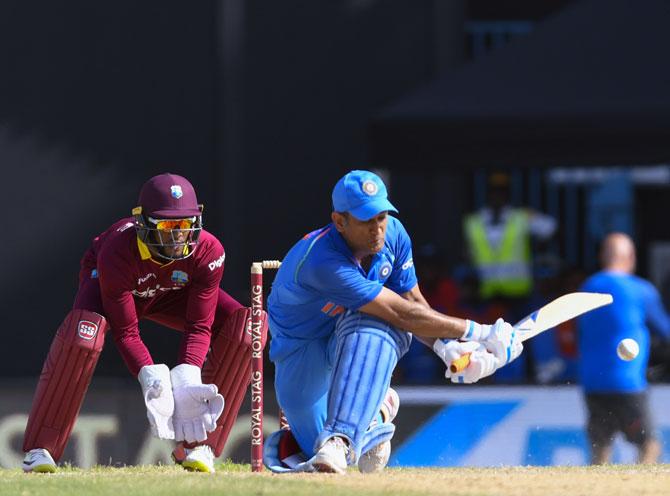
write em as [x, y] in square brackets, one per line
[552, 357]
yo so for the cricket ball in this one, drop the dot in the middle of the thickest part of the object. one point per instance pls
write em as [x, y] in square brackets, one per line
[627, 349]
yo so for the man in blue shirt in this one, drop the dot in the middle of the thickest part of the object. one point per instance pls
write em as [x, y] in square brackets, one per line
[615, 390]
[340, 311]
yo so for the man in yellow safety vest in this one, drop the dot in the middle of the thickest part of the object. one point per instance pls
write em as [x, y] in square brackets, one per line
[498, 238]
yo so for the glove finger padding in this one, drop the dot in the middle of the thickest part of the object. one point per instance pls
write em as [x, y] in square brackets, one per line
[482, 364]
[216, 405]
[199, 432]
[451, 349]
[185, 432]
[197, 406]
[212, 404]
[201, 393]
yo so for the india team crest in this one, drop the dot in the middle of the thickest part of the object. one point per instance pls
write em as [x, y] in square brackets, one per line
[370, 188]
[176, 192]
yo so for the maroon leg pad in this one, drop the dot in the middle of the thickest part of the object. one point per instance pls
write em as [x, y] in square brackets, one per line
[229, 367]
[64, 380]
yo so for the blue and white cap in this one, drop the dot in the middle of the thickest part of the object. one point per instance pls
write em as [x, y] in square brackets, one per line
[362, 194]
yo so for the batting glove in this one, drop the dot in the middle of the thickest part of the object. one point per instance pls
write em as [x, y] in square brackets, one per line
[157, 393]
[482, 363]
[197, 406]
[501, 339]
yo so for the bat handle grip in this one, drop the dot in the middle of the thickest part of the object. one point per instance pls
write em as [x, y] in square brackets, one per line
[460, 364]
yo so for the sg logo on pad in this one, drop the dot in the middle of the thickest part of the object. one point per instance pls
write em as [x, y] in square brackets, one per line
[87, 330]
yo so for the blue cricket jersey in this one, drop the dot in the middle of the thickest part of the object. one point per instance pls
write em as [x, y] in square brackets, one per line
[636, 304]
[319, 279]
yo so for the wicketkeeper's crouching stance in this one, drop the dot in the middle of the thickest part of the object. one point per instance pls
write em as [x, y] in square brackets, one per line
[159, 265]
[340, 310]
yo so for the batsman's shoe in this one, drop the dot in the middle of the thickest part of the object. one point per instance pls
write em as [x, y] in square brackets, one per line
[199, 459]
[375, 460]
[38, 460]
[332, 456]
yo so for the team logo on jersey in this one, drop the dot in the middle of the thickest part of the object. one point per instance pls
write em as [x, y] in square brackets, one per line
[179, 277]
[385, 270]
[370, 188]
[87, 330]
[176, 192]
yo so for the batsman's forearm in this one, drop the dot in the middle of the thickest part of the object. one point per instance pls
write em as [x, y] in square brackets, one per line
[411, 312]
[426, 322]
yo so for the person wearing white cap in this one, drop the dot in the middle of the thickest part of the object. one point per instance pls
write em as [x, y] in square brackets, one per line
[341, 312]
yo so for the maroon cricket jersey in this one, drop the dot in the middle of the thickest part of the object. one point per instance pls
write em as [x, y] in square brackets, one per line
[134, 285]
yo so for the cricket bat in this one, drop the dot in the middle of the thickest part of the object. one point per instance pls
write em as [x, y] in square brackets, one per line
[556, 312]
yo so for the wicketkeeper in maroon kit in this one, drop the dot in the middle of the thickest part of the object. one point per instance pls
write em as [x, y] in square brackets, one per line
[159, 265]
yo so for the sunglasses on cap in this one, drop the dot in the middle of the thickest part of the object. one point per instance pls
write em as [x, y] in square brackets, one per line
[170, 224]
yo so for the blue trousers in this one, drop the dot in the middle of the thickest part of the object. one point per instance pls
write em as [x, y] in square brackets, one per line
[304, 380]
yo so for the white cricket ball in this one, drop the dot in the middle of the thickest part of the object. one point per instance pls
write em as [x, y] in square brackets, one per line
[627, 349]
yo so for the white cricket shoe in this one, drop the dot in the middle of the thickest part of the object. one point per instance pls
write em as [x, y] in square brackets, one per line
[38, 460]
[199, 459]
[375, 459]
[332, 456]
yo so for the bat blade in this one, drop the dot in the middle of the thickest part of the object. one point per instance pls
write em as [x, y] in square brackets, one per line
[556, 312]
[560, 310]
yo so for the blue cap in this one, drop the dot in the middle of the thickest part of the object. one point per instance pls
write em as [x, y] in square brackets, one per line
[362, 194]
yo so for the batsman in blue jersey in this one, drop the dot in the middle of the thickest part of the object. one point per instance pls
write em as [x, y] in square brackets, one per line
[615, 390]
[341, 310]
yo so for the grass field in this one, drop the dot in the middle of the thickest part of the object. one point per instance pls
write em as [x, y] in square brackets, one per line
[233, 480]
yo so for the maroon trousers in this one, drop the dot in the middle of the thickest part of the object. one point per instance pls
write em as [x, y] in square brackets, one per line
[75, 350]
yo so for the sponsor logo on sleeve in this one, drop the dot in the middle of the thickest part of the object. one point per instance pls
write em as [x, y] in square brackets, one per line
[125, 226]
[218, 263]
[408, 264]
[87, 330]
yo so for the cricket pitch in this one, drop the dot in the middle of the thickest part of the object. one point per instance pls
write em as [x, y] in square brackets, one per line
[231, 479]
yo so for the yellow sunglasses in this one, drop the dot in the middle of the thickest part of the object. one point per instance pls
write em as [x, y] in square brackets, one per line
[170, 224]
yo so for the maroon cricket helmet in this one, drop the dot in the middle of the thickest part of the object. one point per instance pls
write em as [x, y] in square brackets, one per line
[169, 196]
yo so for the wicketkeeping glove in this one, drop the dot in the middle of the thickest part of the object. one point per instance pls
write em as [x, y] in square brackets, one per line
[501, 339]
[197, 406]
[157, 393]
